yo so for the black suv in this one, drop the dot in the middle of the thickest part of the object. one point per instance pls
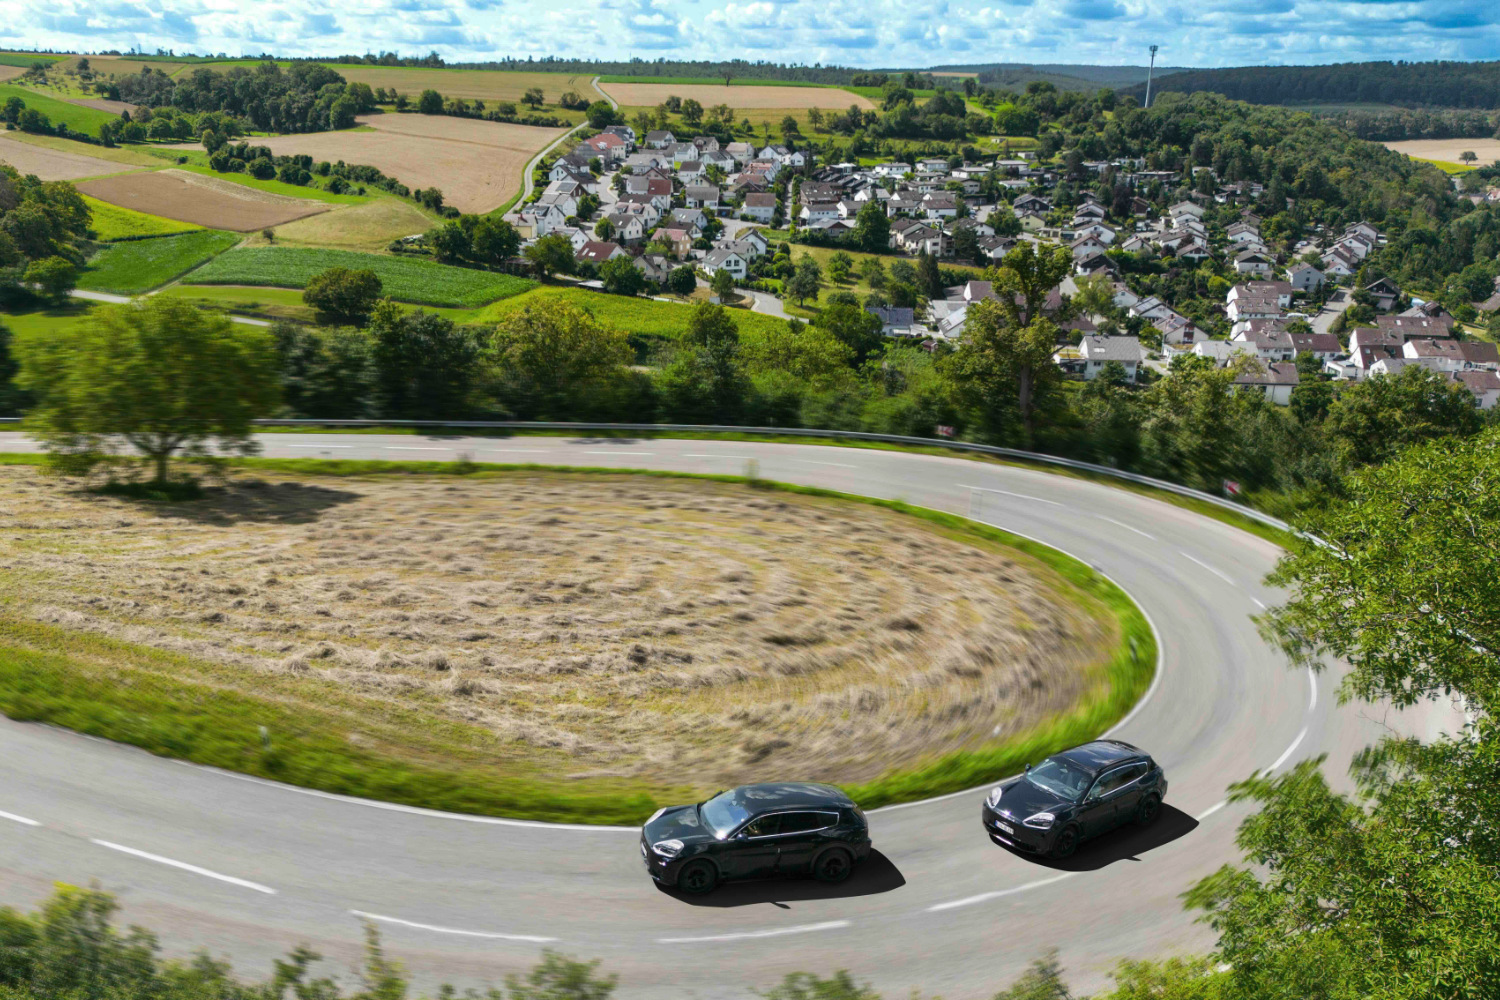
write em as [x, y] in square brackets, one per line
[1074, 795]
[789, 828]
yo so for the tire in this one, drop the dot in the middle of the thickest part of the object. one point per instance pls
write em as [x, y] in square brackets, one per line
[697, 878]
[1066, 843]
[1149, 809]
[833, 866]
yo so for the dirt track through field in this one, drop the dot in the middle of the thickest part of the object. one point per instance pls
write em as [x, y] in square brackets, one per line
[1449, 150]
[476, 164]
[201, 200]
[54, 164]
[737, 97]
[594, 625]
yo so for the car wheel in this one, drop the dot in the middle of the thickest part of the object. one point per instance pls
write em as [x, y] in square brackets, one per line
[1066, 843]
[697, 877]
[833, 866]
[1148, 810]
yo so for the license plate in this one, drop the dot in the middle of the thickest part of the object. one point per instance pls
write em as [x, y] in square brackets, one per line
[1006, 827]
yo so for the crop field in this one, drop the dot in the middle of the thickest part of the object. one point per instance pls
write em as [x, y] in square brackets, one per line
[370, 226]
[1449, 150]
[53, 164]
[737, 96]
[406, 279]
[25, 59]
[201, 200]
[643, 316]
[102, 104]
[476, 164]
[111, 222]
[137, 266]
[75, 116]
[563, 627]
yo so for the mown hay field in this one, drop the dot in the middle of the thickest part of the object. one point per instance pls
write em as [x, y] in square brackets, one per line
[53, 164]
[200, 199]
[476, 164]
[620, 628]
[136, 266]
[1449, 150]
[404, 278]
[737, 96]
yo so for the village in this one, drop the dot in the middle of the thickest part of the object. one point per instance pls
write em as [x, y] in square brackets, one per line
[666, 203]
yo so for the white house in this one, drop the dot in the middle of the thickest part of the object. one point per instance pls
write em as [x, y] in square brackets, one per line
[1304, 277]
[1276, 379]
[1253, 262]
[1099, 351]
[759, 206]
[725, 259]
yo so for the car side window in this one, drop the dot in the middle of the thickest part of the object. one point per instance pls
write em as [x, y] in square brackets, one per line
[803, 822]
[765, 826]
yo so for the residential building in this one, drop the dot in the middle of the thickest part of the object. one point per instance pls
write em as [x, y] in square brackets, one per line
[1276, 379]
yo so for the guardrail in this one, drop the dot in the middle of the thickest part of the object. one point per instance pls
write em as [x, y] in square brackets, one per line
[985, 449]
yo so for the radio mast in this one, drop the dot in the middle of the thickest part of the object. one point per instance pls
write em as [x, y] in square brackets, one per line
[1149, 70]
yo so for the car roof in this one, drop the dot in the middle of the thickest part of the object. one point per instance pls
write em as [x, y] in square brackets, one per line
[1099, 754]
[772, 796]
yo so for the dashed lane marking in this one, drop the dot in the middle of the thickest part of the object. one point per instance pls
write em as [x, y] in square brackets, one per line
[243, 883]
[1211, 810]
[488, 935]
[985, 897]
[1216, 572]
[19, 819]
[1127, 527]
[836, 465]
[1291, 749]
[637, 453]
[829, 925]
[1008, 493]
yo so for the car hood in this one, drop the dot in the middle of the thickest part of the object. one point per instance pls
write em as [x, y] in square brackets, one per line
[1021, 798]
[677, 823]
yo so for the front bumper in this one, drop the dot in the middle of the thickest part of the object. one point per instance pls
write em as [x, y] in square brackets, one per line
[1014, 833]
[661, 869]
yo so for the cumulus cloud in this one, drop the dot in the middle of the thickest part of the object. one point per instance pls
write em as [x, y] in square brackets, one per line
[875, 33]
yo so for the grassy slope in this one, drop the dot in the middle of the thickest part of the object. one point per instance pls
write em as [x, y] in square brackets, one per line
[169, 704]
[141, 265]
[635, 315]
[25, 58]
[409, 280]
[60, 318]
[75, 116]
[112, 222]
[274, 303]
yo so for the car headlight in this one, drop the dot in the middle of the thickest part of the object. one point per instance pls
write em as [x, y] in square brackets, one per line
[656, 814]
[668, 848]
[1040, 821]
[994, 799]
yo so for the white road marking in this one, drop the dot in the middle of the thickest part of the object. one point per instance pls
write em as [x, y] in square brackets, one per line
[1211, 810]
[711, 456]
[985, 897]
[837, 465]
[1127, 527]
[319, 447]
[1216, 572]
[1290, 750]
[490, 935]
[744, 935]
[1259, 603]
[619, 453]
[1312, 684]
[18, 819]
[412, 447]
[521, 451]
[1023, 496]
[185, 867]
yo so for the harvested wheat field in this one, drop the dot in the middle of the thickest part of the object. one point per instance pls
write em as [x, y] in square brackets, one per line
[102, 104]
[1449, 150]
[576, 626]
[476, 164]
[53, 164]
[201, 200]
[736, 96]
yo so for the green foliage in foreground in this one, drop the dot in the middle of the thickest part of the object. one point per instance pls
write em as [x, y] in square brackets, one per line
[47, 674]
[136, 266]
[407, 280]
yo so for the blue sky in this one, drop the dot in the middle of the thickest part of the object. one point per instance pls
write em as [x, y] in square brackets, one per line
[844, 32]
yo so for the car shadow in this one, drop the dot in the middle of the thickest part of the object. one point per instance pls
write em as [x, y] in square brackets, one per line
[1126, 843]
[875, 874]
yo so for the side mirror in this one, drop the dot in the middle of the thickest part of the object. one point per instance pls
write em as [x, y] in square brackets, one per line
[1028, 768]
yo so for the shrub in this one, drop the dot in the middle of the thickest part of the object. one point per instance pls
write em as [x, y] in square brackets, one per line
[344, 295]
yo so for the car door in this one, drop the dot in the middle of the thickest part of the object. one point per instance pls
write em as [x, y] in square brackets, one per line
[754, 850]
[1127, 795]
[1095, 812]
[802, 834]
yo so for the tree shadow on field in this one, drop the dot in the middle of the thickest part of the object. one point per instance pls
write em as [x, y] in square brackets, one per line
[251, 501]
[873, 875]
[1126, 843]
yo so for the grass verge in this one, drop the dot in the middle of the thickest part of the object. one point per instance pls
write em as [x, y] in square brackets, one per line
[140, 265]
[170, 705]
[406, 279]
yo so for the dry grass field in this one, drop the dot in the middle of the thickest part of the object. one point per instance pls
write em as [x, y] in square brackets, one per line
[582, 626]
[476, 164]
[486, 85]
[53, 164]
[102, 104]
[748, 96]
[370, 226]
[201, 200]
[1449, 150]
[11, 72]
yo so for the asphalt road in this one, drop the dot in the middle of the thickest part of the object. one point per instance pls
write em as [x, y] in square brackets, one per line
[248, 869]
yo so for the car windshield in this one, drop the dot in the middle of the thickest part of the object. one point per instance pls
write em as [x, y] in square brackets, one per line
[1060, 778]
[723, 814]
